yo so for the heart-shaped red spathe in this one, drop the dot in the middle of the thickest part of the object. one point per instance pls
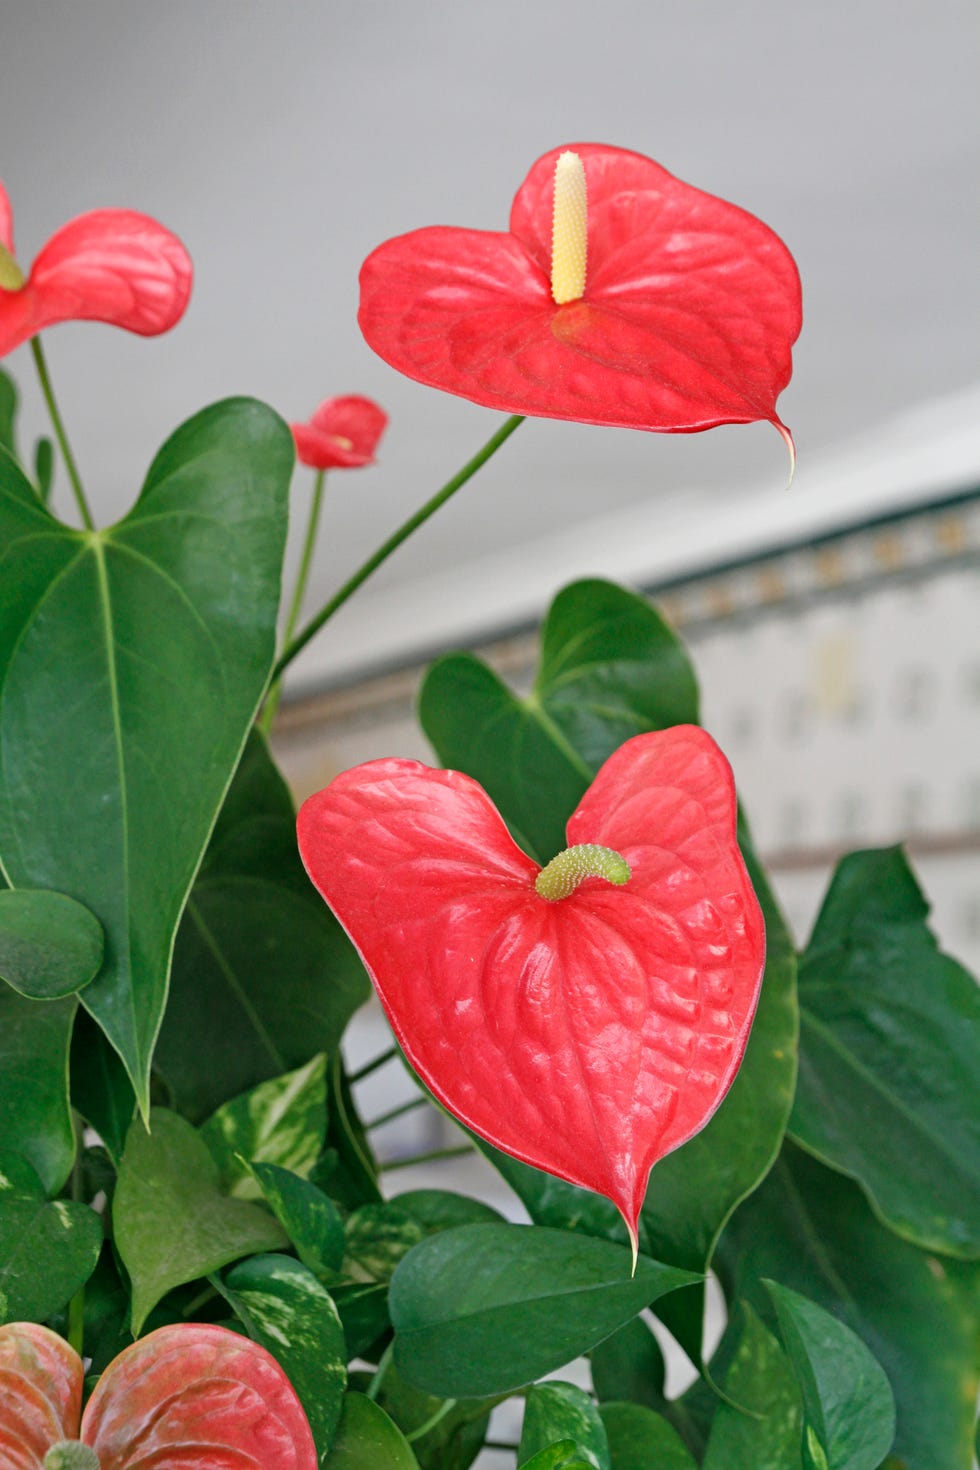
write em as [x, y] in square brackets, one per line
[588, 1036]
[110, 265]
[690, 311]
[186, 1390]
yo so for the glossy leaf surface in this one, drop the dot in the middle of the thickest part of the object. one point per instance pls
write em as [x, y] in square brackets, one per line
[48, 1249]
[562, 1455]
[172, 1222]
[50, 946]
[100, 1086]
[889, 1042]
[641, 1440]
[367, 1438]
[690, 310]
[560, 1411]
[848, 1405]
[282, 1121]
[286, 1310]
[263, 975]
[610, 668]
[197, 1388]
[587, 1036]
[484, 1309]
[157, 635]
[812, 1230]
[629, 1365]
[759, 1379]
[35, 1113]
[110, 265]
[40, 1393]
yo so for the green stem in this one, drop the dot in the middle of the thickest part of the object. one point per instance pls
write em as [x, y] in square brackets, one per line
[374, 1387]
[40, 363]
[392, 544]
[393, 1113]
[429, 1158]
[302, 577]
[432, 1421]
[373, 1066]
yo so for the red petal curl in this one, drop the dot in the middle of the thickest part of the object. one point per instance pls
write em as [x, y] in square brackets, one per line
[690, 310]
[201, 1396]
[588, 1037]
[110, 265]
[343, 433]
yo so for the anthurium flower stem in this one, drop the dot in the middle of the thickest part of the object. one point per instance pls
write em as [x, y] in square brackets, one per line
[429, 1158]
[40, 363]
[393, 1113]
[432, 1421]
[302, 577]
[393, 542]
[374, 1065]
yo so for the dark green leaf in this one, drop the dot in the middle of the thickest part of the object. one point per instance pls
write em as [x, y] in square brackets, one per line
[641, 1440]
[171, 1221]
[287, 1311]
[48, 1250]
[848, 1406]
[154, 638]
[352, 1178]
[440, 1209]
[8, 413]
[812, 1229]
[35, 1115]
[889, 1041]
[50, 946]
[759, 1379]
[106, 1312]
[366, 1439]
[363, 1308]
[308, 1216]
[560, 1411]
[483, 1309]
[282, 1121]
[629, 1365]
[100, 1085]
[610, 668]
[458, 1428]
[263, 975]
[44, 468]
[562, 1206]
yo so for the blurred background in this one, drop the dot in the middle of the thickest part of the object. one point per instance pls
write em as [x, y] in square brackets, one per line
[834, 625]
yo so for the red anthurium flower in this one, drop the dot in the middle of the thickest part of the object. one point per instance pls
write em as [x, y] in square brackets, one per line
[189, 1394]
[111, 265]
[587, 1017]
[342, 434]
[619, 296]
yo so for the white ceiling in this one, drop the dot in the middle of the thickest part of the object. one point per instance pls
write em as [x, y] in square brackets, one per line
[284, 141]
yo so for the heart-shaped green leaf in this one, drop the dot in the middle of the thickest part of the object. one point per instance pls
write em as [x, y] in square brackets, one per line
[889, 1040]
[813, 1230]
[641, 1440]
[282, 1121]
[50, 945]
[759, 1379]
[155, 638]
[483, 1309]
[610, 668]
[35, 1114]
[366, 1439]
[263, 975]
[172, 1223]
[561, 1411]
[848, 1405]
[47, 1249]
[287, 1311]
